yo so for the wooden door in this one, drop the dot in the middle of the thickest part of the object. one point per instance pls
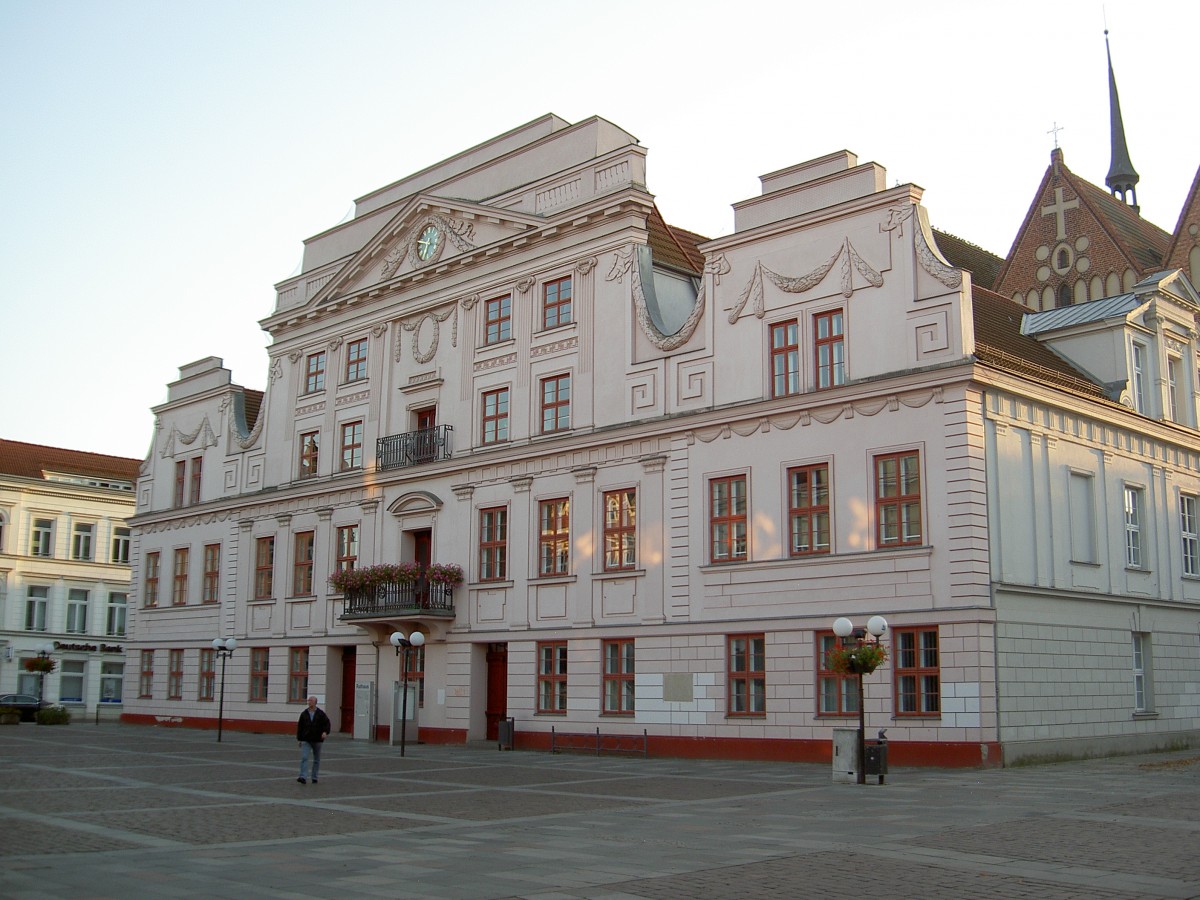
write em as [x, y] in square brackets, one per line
[497, 688]
[349, 666]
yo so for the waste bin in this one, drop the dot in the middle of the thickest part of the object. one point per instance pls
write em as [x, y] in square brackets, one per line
[505, 731]
[876, 753]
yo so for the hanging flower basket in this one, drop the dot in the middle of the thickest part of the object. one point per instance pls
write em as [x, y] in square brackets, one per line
[448, 574]
[861, 659]
[43, 664]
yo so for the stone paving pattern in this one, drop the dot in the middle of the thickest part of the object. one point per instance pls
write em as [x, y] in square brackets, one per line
[99, 811]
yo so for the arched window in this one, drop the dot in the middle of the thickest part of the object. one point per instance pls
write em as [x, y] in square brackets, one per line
[1064, 259]
[1064, 294]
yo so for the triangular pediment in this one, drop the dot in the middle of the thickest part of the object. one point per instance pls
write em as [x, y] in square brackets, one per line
[426, 234]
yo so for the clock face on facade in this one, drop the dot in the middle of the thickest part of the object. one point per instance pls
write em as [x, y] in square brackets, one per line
[427, 243]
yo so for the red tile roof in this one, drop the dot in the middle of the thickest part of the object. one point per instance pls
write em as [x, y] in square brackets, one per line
[32, 460]
[982, 264]
[674, 247]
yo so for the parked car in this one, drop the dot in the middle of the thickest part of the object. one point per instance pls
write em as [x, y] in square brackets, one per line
[27, 704]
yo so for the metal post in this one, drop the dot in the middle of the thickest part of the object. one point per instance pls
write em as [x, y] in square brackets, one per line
[404, 698]
[862, 733]
[221, 705]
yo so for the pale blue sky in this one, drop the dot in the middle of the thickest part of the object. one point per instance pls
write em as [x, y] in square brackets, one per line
[163, 161]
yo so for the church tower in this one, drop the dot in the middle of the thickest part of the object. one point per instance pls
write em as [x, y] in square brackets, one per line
[1122, 178]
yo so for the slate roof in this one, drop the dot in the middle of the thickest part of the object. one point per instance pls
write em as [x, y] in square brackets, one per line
[1143, 241]
[33, 460]
[983, 265]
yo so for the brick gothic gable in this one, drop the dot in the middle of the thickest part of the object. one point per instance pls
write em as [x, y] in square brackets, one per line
[1184, 252]
[1077, 243]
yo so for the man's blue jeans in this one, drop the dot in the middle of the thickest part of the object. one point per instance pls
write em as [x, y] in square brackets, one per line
[305, 749]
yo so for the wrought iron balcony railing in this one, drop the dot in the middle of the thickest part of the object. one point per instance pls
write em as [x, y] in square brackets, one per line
[394, 599]
[413, 448]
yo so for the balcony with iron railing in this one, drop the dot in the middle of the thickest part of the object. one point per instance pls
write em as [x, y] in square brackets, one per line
[399, 600]
[413, 448]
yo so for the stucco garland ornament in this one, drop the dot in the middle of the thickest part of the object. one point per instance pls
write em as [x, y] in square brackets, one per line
[437, 319]
[623, 264]
[797, 284]
[459, 233]
[928, 257]
[203, 433]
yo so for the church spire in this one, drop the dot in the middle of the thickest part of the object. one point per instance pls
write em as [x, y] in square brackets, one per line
[1122, 177]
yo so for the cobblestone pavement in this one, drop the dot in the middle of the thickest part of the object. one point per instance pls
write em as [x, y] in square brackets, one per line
[101, 811]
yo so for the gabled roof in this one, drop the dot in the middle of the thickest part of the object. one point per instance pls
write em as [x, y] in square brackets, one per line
[1179, 251]
[999, 343]
[982, 264]
[34, 460]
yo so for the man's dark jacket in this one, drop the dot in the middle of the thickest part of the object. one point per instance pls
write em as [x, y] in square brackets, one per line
[310, 730]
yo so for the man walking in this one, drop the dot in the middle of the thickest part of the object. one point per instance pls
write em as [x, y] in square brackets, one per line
[311, 731]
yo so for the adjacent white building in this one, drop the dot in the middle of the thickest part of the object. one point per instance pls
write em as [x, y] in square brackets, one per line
[665, 465]
[65, 550]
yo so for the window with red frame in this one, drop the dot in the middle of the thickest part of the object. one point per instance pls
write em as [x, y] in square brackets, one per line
[727, 519]
[829, 351]
[808, 509]
[302, 564]
[620, 530]
[556, 403]
[146, 674]
[618, 676]
[150, 592]
[347, 548]
[917, 671]
[837, 695]
[554, 537]
[179, 584]
[264, 568]
[260, 659]
[552, 677]
[351, 441]
[495, 416]
[356, 361]
[175, 675]
[208, 675]
[556, 303]
[310, 452]
[197, 474]
[785, 359]
[314, 373]
[898, 499]
[180, 483]
[493, 544]
[747, 674]
[210, 588]
[497, 318]
[297, 674]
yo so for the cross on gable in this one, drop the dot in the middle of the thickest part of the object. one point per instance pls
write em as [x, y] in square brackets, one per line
[1059, 209]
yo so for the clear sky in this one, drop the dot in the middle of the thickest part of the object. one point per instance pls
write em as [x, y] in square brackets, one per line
[163, 161]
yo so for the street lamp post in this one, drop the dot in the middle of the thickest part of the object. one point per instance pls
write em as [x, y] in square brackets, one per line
[404, 647]
[224, 648]
[844, 628]
[43, 652]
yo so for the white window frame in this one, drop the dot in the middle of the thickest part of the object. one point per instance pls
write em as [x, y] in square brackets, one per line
[36, 607]
[1134, 504]
[41, 538]
[82, 538]
[1138, 364]
[121, 543]
[72, 672]
[77, 611]
[1143, 688]
[1189, 532]
[118, 610]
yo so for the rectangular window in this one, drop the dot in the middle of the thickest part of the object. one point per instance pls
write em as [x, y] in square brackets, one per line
[120, 546]
[180, 483]
[112, 675]
[150, 593]
[497, 320]
[197, 476]
[618, 676]
[356, 361]
[1174, 384]
[260, 658]
[785, 359]
[118, 606]
[146, 674]
[302, 566]
[210, 591]
[493, 544]
[175, 675]
[837, 694]
[36, 601]
[42, 539]
[314, 373]
[554, 538]
[264, 568]
[829, 349]
[81, 541]
[495, 416]
[297, 674]
[310, 451]
[620, 530]
[898, 499]
[347, 548]
[208, 675]
[808, 509]
[552, 677]
[77, 611]
[917, 671]
[1143, 700]
[1189, 529]
[556, 303]
[727, 519]
[556, 403]
[1133, 527]
[1139, 378]
[747, 674]
[1083, 517]
[70, 682]
[179, 584]
[351, 445]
